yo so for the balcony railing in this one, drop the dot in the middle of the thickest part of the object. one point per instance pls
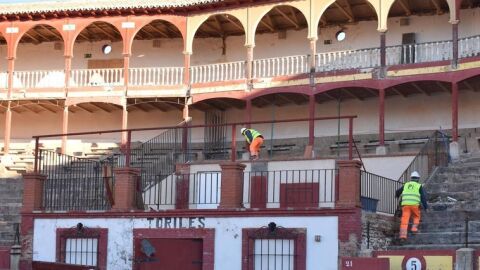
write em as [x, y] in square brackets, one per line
[156, 76]
[39, 79]
[97, 77]
[236, 71]
[280, 66]
[230, 71]
[342, 60]
[419, 53]
[469, 47]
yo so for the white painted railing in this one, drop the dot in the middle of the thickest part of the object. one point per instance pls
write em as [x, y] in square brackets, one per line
[3, 80]
[156, 76]
[218, 72]
[419, 53]
[469, 47]
[353, 59]
[280, 66]
[97, 77]
[39, 79]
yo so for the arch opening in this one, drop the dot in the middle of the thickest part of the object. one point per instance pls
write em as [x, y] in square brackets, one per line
[218, 40]
[157, 44]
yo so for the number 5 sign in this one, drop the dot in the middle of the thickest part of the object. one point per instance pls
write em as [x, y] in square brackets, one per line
[414, 263]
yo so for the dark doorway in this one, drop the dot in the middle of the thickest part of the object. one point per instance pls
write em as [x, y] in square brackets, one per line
[168, 254]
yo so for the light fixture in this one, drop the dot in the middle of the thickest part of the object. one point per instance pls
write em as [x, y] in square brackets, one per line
[106, 49]
[340, 35]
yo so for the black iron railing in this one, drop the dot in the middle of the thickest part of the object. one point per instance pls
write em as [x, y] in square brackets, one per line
[76, 184]
[378, 192]
[289, 188]
[433, 154]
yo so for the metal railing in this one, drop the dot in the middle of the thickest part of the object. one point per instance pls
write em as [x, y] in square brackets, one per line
[289, 188]
[196, 190]
[419, 53]
[75, 184]
[379, 190]
[281, 66]
[156, 76]
[97, 77]
[433, 154]
[39, 79]
[195, 146]
[469, 47]
[351, 59]
[230, 71]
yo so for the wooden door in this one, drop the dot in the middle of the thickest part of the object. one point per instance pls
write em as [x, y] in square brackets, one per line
[170, 254]
[299, 195]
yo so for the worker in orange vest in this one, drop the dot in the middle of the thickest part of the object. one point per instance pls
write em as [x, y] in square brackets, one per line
[412, 195]
[255, 139]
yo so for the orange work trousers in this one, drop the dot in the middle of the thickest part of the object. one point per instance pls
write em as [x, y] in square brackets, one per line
[407, 211]
[255, 146]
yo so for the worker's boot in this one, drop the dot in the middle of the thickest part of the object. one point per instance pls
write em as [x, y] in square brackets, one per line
[414, 229]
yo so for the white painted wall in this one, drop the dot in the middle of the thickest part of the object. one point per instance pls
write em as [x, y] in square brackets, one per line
[228, 238]
[207, 51]
[390, 167]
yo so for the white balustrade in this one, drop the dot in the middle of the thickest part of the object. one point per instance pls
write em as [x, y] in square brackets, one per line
[469, 47]
[419, 53]
[156, 76]
[352, 59]
[280, 66]
[39, 79]
[97, 77]
[218, 72]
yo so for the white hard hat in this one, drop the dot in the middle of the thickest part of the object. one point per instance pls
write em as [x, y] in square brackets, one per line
[415, 175]
[242, 130]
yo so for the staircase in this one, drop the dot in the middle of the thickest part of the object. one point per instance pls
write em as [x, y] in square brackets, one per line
[453, 218]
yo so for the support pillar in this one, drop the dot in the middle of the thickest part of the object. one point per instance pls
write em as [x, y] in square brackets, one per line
[64, 129]
[124, 125]
[454, 146]
[454, 43]
[186, 74]
[33, 191]
[381, 149]
[8, 129]
[348, 184]
[232, 185]
[249, 66]
[311, 127]
[248, 113]
[126, 71]
[125, 191]
[68, 71]
[383, 54]
[313, 54]
[11, 69]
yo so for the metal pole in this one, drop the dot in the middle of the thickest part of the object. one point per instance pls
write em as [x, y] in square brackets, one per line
[350, 139]
[129, 140]
[35, 169]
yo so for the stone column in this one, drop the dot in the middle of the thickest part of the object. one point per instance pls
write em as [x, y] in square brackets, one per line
[465, 259]
[383, 54]
[125, 191]
[454, 43]
[182, 184]
[33, 191]
[232, 185]
[15, 253]
[454, 146]
[348, 184]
